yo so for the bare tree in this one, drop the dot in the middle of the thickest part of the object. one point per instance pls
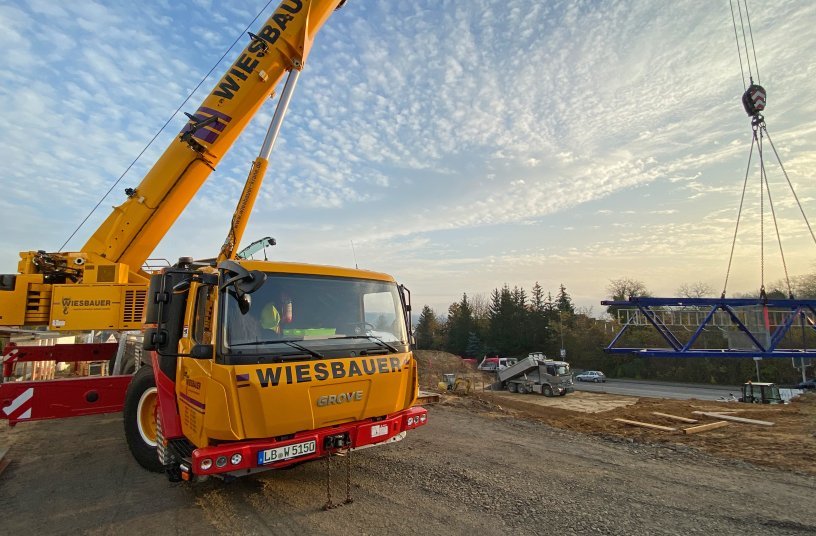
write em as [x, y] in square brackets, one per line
[698, 289]
[624, 288]
[480, 306]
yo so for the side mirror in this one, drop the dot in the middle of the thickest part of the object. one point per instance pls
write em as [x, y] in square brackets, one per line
[202, 351]
[244, 303]
[244, 281]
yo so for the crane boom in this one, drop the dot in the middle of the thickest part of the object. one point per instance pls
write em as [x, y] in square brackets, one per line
[134, 228]
[103, 285]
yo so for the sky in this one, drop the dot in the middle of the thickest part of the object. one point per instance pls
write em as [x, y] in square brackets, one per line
[458, 146]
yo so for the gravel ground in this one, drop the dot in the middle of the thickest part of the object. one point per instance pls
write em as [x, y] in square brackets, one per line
[464, 473]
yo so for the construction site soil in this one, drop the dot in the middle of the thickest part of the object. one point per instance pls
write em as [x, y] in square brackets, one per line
[789, 444]
[486, 463]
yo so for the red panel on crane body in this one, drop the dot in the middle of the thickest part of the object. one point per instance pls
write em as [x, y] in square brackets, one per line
[56, 399]
[60, 352]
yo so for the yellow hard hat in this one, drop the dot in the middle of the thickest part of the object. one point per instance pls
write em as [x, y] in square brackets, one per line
[270, 317]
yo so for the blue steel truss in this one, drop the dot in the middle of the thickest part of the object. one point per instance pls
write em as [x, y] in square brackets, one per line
[765, 347]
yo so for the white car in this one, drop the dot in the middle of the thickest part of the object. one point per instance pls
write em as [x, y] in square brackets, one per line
[591, 376]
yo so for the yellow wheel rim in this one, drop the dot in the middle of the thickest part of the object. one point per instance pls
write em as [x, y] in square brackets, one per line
[146, 416]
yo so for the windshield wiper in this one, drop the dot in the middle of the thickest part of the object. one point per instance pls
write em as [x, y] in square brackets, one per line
[378, 340]
[287, 342]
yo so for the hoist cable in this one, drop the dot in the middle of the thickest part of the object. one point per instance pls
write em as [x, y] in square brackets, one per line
[790, 184]
[753, 47]
[739, 215]
[736, 37]
[745, 42]
[761, 213]
[776, 227]
[217, 63]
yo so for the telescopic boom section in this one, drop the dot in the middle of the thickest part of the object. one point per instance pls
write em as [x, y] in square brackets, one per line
[134, 228]
[240, 217]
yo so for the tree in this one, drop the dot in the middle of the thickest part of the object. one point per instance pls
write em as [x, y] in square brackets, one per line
[698, 289]
[623, 289]
[563, 301]
[460, 324]
[474, 348]
[426, 329]
[538, 319]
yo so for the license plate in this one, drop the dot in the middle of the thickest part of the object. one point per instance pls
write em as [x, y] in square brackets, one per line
[286, 453]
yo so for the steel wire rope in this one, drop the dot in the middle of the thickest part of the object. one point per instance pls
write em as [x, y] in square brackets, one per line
[739, 215]
[736, 38]
[146, 147]
[753, 47]
[764, 176]
[745, 41]
[761, 217]
[790, 184]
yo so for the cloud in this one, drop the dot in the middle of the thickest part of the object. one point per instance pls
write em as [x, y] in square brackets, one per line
[420, 127]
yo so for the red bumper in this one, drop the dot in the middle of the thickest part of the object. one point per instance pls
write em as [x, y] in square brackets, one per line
[255, 455]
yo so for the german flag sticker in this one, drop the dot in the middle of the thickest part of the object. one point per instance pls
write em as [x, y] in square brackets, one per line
[242, 380]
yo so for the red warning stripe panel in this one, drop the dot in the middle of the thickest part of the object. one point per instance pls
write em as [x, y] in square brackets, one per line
[61, 352]
[57, 399]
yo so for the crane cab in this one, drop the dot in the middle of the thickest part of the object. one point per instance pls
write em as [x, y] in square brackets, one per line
[279, 362]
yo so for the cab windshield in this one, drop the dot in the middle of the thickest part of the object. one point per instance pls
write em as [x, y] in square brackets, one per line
[305, 316]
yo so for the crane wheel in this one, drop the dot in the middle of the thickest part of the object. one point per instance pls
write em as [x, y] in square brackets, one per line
[140, 419]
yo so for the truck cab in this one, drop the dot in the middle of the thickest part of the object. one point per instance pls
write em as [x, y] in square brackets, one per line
[761, 393]
[493, 364]
[268, 364]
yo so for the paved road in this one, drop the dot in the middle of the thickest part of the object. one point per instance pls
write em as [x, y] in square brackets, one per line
[679, 391]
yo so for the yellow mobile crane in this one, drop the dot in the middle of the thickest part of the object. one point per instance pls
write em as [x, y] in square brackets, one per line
[249, 365]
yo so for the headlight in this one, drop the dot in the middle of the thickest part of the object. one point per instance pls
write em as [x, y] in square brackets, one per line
[206, 463]
[221, 461]
[236, 459]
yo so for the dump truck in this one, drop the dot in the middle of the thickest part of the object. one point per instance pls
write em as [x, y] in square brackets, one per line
[537, 374]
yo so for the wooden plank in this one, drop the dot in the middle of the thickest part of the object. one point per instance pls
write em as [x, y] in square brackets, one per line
[704, 427]
[675, 417]
[733, 418]
[647, 425]
[4, 461]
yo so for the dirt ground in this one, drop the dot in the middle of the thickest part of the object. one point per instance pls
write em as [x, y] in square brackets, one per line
[465, 472]
[487, 463]
[789, 444]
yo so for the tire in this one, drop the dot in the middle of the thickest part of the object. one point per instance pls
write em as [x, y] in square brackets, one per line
[562, 394]
[547, 391]
[522, 390]
[139, 414]
[512, 387]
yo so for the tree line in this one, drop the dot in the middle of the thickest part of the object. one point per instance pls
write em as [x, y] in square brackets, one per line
[513, 322]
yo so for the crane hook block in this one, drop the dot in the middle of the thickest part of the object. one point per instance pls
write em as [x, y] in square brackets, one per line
[754, 99]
